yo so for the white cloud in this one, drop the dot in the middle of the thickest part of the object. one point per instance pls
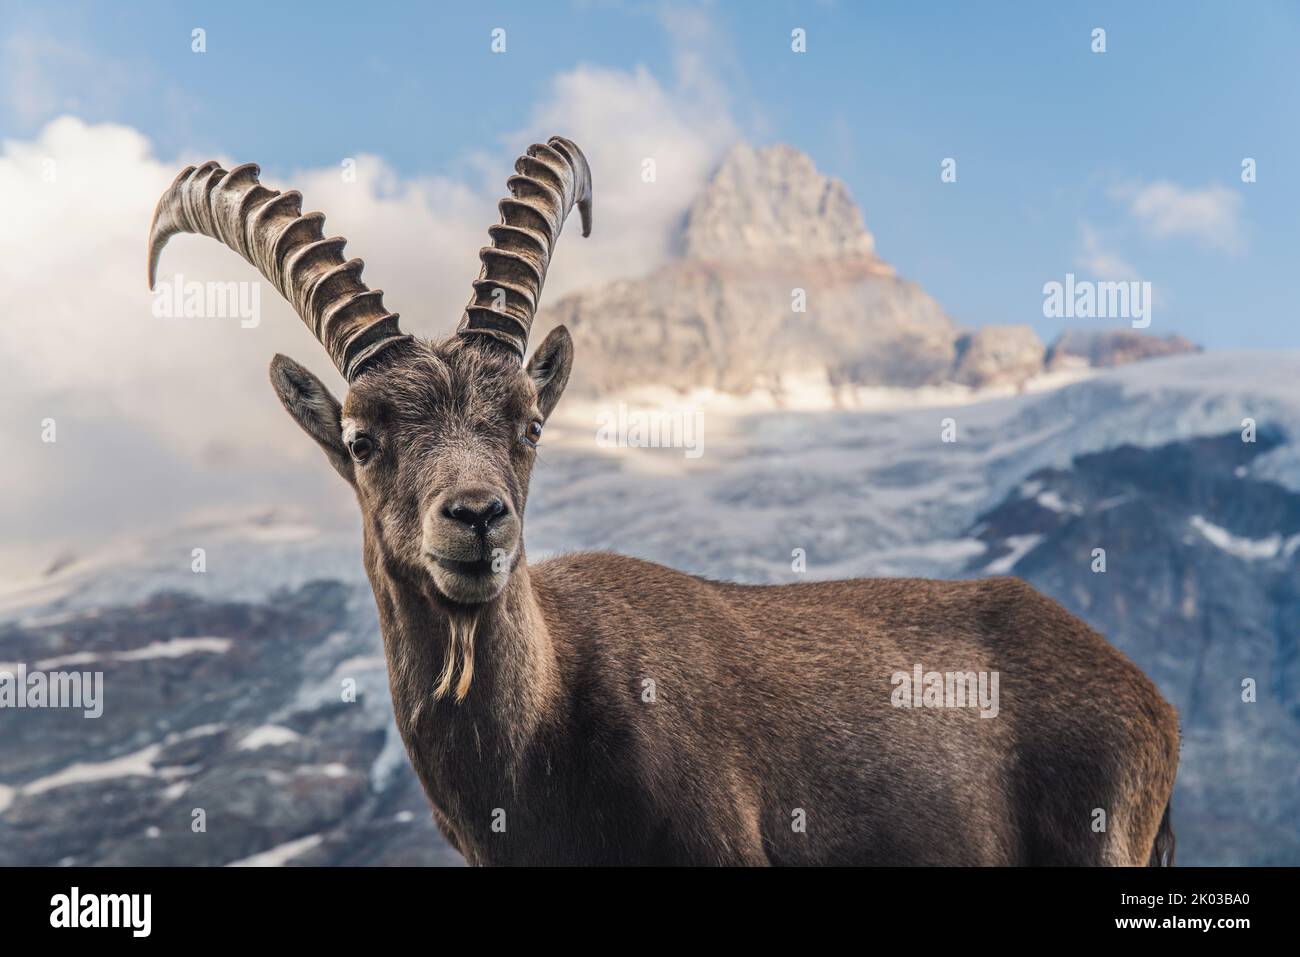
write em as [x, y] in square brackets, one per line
[621, 120]
[1096, 257]
[160, 417]
[1211, 215]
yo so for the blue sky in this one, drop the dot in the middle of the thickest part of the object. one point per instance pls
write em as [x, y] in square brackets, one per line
[1067, 160]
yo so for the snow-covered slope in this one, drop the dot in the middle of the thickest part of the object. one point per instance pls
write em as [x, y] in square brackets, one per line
[865, 492]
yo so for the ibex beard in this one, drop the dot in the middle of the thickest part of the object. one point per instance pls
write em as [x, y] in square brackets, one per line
[600, 709]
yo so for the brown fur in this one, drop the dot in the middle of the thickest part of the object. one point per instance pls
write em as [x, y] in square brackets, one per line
[769, 703]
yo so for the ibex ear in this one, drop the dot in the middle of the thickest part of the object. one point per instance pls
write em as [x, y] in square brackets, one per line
[549, 368]
[319, 414]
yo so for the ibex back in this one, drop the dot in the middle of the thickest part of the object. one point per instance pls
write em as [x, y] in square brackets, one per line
[600, 709]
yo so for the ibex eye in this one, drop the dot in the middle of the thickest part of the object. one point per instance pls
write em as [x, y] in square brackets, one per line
[361, 447]
[534, 433]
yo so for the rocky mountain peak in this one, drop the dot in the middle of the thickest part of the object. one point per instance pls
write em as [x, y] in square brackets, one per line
[767, 203]
[776, 284]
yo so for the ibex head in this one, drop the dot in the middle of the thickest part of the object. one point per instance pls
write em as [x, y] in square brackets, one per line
[437, 438]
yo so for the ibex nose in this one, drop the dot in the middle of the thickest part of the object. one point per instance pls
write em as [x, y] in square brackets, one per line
[477, 510]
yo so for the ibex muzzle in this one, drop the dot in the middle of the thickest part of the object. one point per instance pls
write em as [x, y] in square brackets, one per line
[598, 709]
[471, 540]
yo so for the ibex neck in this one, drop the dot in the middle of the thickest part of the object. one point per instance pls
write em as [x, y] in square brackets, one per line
[511, 690]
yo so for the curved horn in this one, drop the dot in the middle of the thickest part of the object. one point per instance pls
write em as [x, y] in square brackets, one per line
[550, 180]
[268, 229]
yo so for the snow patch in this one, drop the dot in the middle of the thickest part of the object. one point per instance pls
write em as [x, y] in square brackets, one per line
[1030, 487]
[1020, 545]
[281, 854]
[198, 731]
[174, 648]
[332, 770]
[360, 663]
[268, 736]
[1053, 502]
[62, 661]
[136, 764]
[174, 792]
[947, 551]
[1251, 549]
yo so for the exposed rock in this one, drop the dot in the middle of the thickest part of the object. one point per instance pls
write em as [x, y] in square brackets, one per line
[777, 276]
[998, 355]
[124, 789]
[694, 324]
[769, 204]
[777, 280]
[1116, 348]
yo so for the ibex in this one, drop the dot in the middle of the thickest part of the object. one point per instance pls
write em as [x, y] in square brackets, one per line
[599, 709]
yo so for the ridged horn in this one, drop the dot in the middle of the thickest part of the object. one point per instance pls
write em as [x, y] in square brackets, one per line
[269, 229]
[549, 181]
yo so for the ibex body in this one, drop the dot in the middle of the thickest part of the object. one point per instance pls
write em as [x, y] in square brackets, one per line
[599, 709]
